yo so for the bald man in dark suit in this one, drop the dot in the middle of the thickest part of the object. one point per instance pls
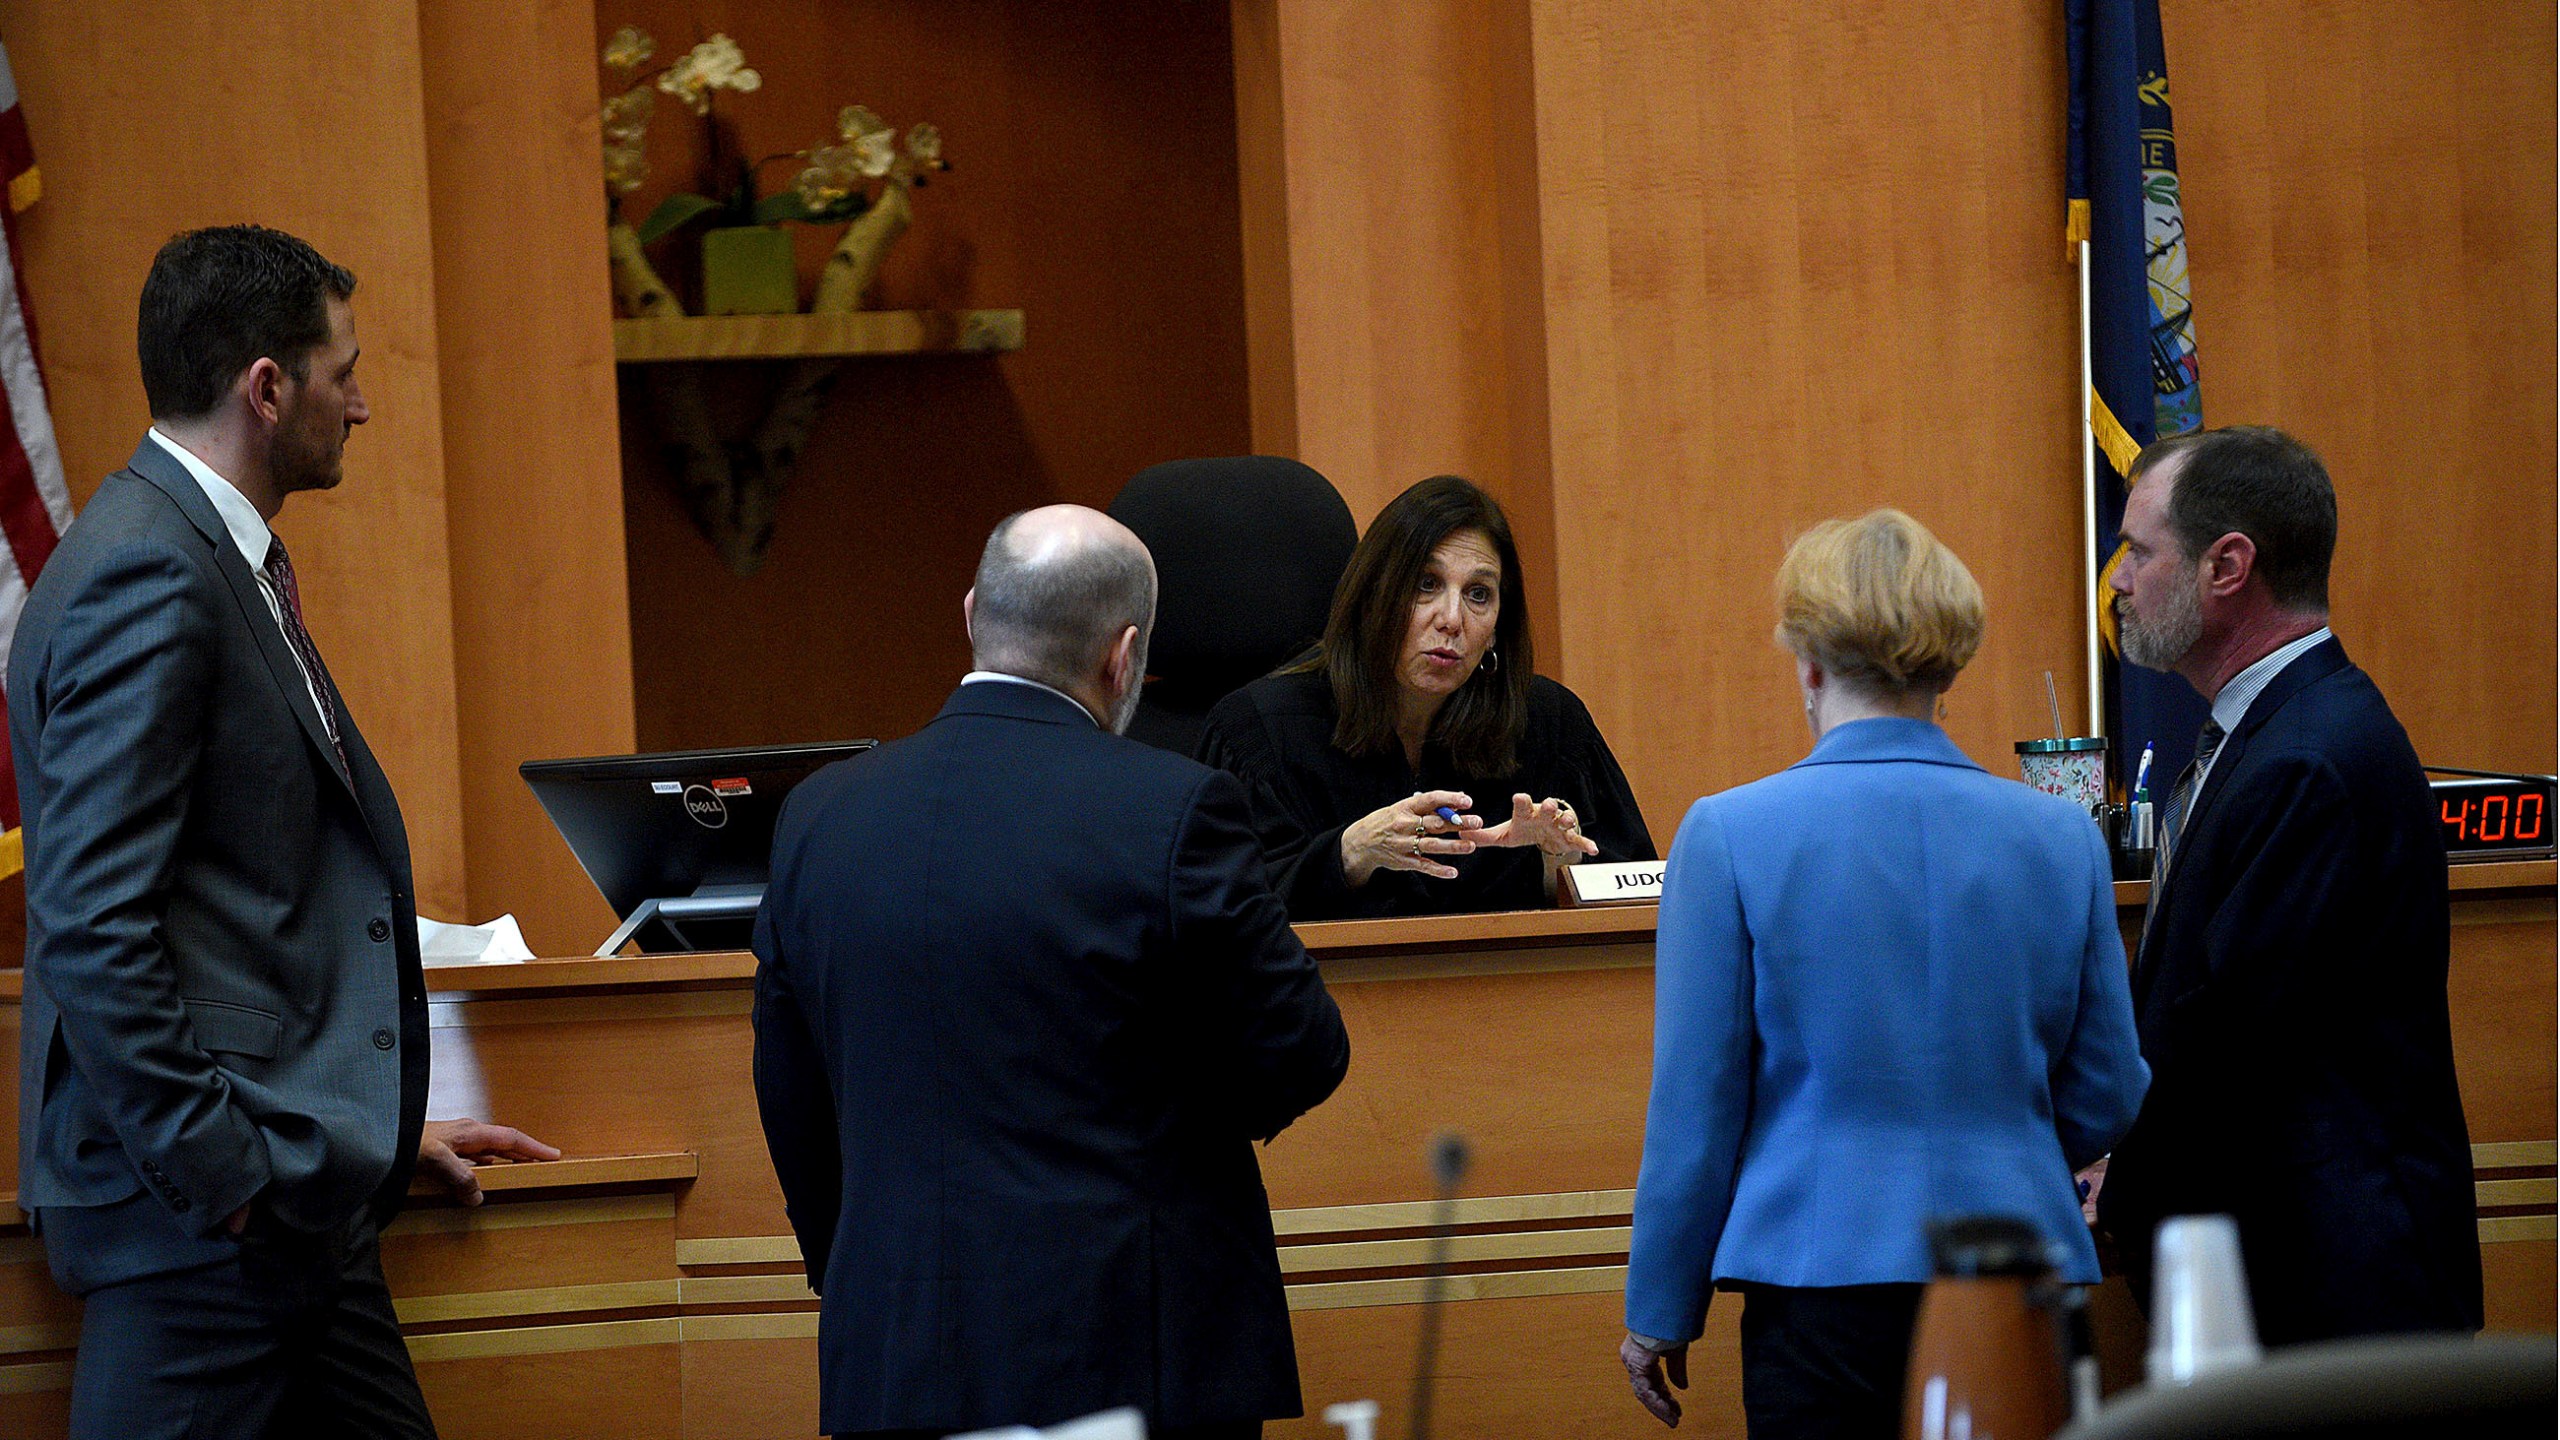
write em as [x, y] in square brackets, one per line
[1024, 1003]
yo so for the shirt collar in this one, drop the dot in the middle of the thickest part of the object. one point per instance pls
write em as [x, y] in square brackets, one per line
[2231, 703]
[1886, 737]
[979, 677]
[248, 529]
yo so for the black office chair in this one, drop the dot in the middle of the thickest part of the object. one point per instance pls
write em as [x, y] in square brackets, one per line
[2417, 1387]
[1248, 549]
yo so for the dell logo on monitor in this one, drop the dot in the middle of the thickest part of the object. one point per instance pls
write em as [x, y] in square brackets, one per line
[707, 809]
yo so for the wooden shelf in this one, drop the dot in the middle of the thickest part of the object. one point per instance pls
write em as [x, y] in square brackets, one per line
[580, 974]
[786, 337]
[2472, 880]
[573, 1172]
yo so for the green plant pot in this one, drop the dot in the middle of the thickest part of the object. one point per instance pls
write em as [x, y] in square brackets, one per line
[748, 270]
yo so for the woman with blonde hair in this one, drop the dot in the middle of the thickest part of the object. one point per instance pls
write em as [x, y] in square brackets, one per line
[1888, 986]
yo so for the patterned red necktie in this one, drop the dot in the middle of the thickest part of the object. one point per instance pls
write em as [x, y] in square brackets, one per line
[279, 570]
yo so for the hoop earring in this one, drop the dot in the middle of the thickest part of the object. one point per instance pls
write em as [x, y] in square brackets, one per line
[1492, 662]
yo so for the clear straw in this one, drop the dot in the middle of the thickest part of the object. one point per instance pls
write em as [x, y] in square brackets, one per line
[2053, 701]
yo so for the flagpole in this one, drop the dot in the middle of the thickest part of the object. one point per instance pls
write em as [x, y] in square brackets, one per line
[2089, 514]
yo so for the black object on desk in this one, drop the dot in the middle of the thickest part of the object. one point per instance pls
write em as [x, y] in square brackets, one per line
[2493, 816]
[679, 842]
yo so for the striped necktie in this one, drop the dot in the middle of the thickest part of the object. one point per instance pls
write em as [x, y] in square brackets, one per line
[2182, 796]
[279, 572]
[2173, 820]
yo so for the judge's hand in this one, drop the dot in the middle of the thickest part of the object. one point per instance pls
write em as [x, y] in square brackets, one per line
[1548, 824]
[451, 1150]
[1406, 835]
[1654, 1376]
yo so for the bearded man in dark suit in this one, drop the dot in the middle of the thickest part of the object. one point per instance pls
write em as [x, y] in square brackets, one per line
[2290, 985]
[1024, 1001]
[223, 1067]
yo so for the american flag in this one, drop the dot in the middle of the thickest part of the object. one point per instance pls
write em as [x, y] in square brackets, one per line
[35, 504]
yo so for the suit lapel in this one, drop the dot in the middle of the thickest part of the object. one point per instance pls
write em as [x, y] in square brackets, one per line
[163, 470]
[2309, 668]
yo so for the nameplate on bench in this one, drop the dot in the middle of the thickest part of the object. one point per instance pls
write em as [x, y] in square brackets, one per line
[1628, 884]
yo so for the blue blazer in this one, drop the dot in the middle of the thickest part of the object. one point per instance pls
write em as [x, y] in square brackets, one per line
[1888, 986]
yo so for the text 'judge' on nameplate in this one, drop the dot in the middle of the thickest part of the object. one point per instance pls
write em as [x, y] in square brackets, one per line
[1615, 884]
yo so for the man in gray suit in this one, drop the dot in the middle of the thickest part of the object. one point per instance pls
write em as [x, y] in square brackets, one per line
[223, 1065]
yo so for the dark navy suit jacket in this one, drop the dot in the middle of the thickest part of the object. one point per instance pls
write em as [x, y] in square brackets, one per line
[1024, 1002]
[2291, 994]
[223, 994]
[1888, 986]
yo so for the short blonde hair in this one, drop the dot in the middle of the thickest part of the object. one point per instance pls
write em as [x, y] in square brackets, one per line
[1879, 601]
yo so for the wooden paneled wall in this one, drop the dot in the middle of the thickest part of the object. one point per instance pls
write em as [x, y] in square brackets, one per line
[466, 582]
[151, 118]
[2370, 198]
[1785, 282]
[1094, 186]
[1392, 277]
[533, 480]
[1795, 262]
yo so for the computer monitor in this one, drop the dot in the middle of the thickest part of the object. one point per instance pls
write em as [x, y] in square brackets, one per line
[680, 843]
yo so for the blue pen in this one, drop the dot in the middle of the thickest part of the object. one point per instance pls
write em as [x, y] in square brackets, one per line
[1445, 813]
[2142, 776]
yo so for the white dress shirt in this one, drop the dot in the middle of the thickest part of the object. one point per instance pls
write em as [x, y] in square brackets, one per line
[250, 534]
[983, 677]
[2231, 703]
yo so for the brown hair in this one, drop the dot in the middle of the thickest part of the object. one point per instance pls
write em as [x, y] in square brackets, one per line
[1373, 609]
[2257, 481]
[1879, 601]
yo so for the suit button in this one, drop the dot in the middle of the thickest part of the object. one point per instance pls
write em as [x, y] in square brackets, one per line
[380, 930]
[181, 1205]
[383, 1040]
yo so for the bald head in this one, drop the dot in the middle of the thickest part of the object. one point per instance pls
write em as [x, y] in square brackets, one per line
[1058, 588]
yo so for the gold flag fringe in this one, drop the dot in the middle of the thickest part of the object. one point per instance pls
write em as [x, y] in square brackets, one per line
[2111, 437]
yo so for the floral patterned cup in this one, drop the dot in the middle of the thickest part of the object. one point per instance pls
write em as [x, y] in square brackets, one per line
[2074, 768]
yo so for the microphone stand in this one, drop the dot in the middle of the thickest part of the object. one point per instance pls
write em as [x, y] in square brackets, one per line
[1448, 1165]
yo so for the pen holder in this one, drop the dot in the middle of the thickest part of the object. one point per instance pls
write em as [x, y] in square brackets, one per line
[2074, 767]
[2130, 842]
[2128, 832]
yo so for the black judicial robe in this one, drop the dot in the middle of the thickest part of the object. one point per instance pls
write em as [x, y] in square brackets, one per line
[1276, 735]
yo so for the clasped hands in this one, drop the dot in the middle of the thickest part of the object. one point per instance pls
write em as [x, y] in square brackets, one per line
[1411, 834]
[452, 1152]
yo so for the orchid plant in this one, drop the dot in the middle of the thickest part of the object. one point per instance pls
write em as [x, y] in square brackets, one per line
[837, 181]
[861, 176]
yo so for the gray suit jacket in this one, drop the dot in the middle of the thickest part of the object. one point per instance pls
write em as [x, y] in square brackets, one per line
[223, 997]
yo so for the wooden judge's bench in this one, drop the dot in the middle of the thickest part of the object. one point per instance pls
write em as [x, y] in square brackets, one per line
[647, 1285]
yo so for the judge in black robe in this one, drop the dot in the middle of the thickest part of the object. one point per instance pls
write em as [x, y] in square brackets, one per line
[1420, 698]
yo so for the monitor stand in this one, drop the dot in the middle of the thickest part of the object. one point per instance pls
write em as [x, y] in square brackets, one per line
[708, 905]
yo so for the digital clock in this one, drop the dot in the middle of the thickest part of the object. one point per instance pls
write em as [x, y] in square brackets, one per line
[2501, 818]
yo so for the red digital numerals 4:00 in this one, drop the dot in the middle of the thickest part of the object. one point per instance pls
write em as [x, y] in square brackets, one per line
[2496, 819]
